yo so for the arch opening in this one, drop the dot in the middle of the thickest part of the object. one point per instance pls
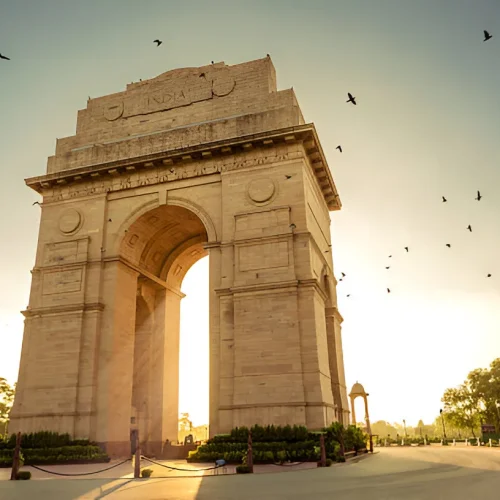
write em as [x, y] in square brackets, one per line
[161, 246]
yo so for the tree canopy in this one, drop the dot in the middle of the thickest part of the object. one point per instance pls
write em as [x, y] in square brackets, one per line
[476, 401]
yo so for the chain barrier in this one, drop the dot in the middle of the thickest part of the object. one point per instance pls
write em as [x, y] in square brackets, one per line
[289, 465]
[82, 474]
[176, 468]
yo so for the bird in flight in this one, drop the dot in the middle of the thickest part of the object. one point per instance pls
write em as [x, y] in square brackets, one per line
[288, 176]
[4, 57]
[388, 290]
[36, 203]
[488, 276]
[339, 148]
[448, 245]
[469, 227]
[158, 42]
[390, 256]
[388, 267]
[407, 249]
[478, 196]
[351, 98]
[487, 36]
[444, 199]
[343, 275]
[348, 295]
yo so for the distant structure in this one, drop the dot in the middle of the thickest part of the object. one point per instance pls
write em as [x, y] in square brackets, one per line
[197, 161]
[359, 391]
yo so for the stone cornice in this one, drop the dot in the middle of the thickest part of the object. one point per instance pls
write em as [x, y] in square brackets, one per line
[75, 308]
[272, 405]
[305, 134]
[333, 311]
[263, 288]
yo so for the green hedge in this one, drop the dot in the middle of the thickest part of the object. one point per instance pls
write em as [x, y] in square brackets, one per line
[43, 439]
[233, 453]
[53, 456]
[270, 433]
[274, 444]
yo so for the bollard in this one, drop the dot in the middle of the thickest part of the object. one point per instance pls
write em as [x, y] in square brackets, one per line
[15, 460]
[323, 450]
[454, 442]
[466, 442]
[489, 442]
[137, 453]
[478, 442]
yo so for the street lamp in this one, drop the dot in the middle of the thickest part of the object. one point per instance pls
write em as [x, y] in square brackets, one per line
[442, 420]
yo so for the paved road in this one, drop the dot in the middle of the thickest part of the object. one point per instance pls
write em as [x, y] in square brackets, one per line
[431, 473]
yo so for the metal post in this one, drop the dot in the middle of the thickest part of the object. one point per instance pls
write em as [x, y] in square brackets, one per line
[15, 460]
[323, 450]
[137, 462]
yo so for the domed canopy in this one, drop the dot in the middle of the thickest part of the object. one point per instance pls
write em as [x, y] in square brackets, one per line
[357, 390]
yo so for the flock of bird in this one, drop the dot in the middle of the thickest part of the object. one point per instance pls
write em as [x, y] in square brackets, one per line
[351, 99]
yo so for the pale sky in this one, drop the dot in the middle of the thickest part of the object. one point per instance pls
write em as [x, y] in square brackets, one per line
[426, 125]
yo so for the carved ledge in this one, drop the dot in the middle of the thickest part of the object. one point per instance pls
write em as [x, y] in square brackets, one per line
[305, 134]
[74, 308]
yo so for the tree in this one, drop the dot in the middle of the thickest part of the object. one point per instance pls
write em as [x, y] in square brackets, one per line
[383, 429]
[462, 407]
[185, 425]
[476, 401]
[7, 393]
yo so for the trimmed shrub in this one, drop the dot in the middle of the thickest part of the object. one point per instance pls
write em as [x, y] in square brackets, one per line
[24, 475]
[43, 439]
[274, 444]
[243, 469]
[146, 472]
[53, 456]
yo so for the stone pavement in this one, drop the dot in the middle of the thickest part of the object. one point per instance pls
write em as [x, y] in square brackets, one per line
[393, 474]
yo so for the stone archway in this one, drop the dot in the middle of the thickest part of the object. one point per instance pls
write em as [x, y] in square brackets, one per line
[155, 253]
[212, 160]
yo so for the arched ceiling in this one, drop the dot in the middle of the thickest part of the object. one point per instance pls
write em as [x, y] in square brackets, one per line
[161, 237]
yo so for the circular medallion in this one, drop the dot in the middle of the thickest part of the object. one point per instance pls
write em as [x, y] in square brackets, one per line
[70, 221]
[261, 190]
[113, 111]
[223, 84]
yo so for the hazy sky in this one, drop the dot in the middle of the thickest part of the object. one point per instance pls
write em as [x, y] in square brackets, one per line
[426, 125]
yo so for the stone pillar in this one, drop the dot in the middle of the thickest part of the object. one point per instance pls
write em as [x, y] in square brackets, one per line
[215, 383]
[367, 416]
[227, 368]
[353, 412]
[332, 358]
[165, 387]
[142, 361]
[116, 359]
[315, 359]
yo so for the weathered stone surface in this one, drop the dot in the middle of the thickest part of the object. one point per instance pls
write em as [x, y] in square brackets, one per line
[197, 161]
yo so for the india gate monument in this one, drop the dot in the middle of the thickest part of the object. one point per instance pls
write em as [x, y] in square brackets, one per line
[197, 161]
